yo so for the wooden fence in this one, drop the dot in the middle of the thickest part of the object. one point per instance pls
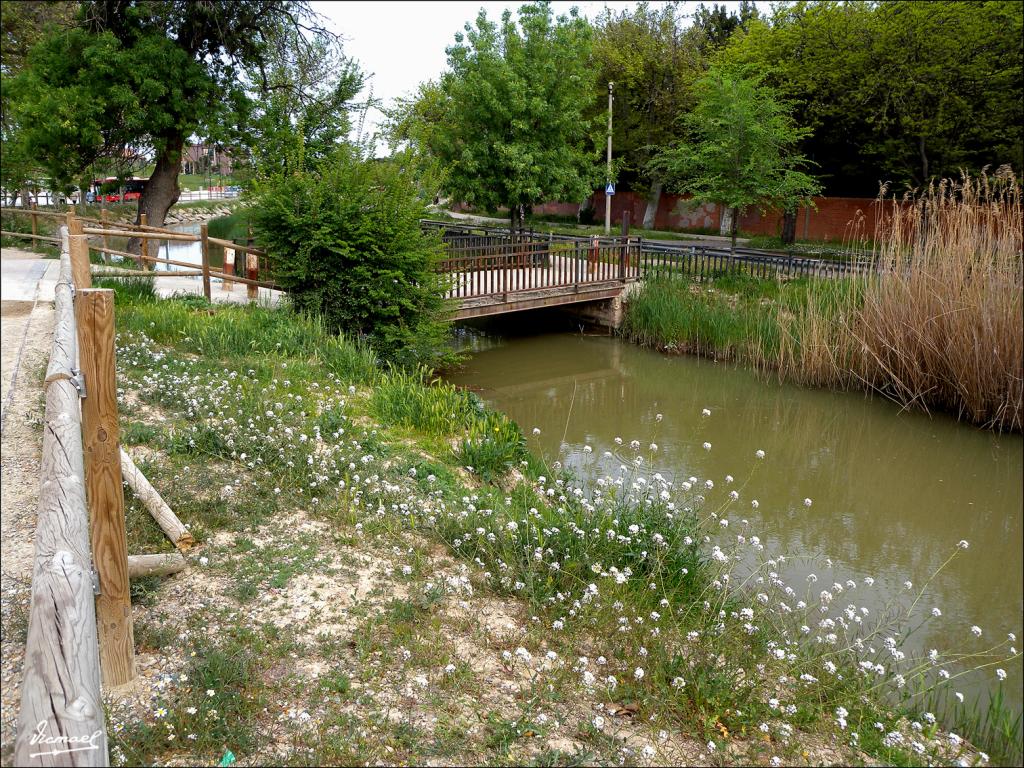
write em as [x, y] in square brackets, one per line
[60, 696]
[80, 626]
[254, 268]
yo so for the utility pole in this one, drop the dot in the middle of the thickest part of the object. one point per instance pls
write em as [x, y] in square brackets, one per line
[607, 197]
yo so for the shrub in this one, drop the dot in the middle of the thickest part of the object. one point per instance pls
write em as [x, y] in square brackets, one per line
[345, 241]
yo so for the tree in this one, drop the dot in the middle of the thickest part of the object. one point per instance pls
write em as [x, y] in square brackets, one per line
[345, 239]
[151, 74]
[715, 26]
[741, 149]
[506, 119]
[650, 57]
[304, 96]
[22, 25]
[895, 91]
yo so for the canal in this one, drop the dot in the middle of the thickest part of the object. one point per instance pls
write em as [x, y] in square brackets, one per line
[892, 492]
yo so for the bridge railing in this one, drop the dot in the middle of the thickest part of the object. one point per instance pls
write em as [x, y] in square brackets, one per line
[500, 269]
[663, 259]
[696, 261]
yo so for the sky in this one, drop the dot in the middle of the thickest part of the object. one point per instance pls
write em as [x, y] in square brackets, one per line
[402, 43]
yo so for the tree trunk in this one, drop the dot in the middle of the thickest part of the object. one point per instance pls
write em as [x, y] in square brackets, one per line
[735, 226]
[789, 227]
[161, 191]
[653, 200]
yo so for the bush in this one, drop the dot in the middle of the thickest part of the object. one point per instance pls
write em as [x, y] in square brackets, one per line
[345, 241]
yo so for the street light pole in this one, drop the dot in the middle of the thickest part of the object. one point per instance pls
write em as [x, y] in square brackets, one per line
[607, 197]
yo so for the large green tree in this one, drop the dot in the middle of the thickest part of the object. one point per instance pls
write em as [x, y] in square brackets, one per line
[654, 62]
[506, 120]
[134, 75]
[740, 150]
[895, 91]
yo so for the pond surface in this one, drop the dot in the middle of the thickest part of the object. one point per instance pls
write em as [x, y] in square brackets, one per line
[892, 492]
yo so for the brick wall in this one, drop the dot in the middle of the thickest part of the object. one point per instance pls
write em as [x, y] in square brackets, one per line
[832, 218]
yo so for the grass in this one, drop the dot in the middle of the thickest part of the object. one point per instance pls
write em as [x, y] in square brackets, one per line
[291, 454]
[938, 329]
[941, 328]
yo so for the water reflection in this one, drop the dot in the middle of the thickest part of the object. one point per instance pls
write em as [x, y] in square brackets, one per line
[892, 492]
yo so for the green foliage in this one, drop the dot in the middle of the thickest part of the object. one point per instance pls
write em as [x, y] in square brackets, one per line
[741, 151]
[506, 120]
[652, 61]
[346, 243]
[494, 446]
[899, 91]
[406, 399]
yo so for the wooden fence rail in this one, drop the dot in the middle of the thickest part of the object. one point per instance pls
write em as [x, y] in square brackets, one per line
[61, 708]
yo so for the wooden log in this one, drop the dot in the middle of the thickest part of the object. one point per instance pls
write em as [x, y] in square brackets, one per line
[237, 247]
[27, 236]
[51, 214]
[94, 315]
[60, 692]
[140, 566]
[148, 495]
[136, 232]
[99, 270]
[78, 247]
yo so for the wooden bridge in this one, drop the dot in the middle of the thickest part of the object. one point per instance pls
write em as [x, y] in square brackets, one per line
[491, 271]
[495, 274]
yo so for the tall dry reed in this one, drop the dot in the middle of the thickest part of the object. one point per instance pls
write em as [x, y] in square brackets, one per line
[939, 326]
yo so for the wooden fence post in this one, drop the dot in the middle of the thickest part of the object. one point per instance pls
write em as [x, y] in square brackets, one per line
[34, 225]
[144, 250]
[624, 255]
[106, 238]
[252, 272]
[78, 250]
[94, 315]
[204, 237]
[229, 269]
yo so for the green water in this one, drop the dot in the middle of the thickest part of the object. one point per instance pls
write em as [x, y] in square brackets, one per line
[892, 492]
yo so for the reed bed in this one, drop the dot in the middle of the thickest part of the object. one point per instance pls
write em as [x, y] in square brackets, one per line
[940, 325]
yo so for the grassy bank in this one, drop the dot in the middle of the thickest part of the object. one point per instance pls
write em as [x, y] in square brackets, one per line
[384, 573]
[939, 328]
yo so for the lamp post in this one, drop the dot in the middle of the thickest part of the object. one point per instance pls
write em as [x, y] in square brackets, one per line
[607, 197]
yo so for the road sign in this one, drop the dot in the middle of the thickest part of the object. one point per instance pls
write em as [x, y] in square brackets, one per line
[610, 189]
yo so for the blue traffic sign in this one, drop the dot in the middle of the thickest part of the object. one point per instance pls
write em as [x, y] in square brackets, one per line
[610, 189]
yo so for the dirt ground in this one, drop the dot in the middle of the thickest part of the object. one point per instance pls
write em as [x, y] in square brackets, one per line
[27, 335]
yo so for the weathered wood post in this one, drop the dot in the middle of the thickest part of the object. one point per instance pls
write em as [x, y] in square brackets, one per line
[144, 250]
[204, 237]
[78, 250]
[252, 271]
[94, 316]
[35, 225]
[229, 269]
[61, 690]
[106, 238]
[624, 254]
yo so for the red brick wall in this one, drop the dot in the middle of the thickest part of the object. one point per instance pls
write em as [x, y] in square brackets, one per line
[832, 218]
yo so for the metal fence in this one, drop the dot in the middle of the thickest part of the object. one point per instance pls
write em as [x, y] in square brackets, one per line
[648, 259]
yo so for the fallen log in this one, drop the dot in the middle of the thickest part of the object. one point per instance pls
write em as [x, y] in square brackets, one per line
[155, 565]
[147, 494]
